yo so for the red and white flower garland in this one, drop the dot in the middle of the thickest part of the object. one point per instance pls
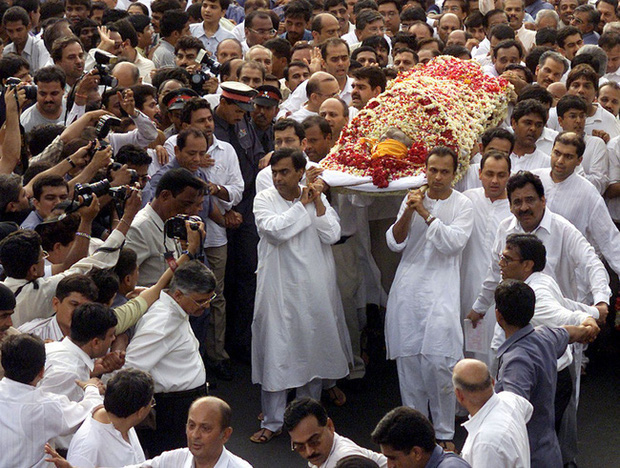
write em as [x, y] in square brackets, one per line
[446, 102]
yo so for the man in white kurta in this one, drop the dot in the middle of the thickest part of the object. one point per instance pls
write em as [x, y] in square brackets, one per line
[422, 328]
[298, 334]
[497, 432]
[490, 208]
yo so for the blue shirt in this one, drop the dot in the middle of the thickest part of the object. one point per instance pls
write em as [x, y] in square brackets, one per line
[149, 191]
[307, 36]
[441, 459]
[528, 367]
[32, 221]
[535, 7]
[591, 38]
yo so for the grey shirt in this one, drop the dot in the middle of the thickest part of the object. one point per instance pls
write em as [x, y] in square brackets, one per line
[528, 367]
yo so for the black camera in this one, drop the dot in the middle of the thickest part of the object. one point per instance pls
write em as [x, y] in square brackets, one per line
[208, 67]
[102, 66]
[175, 226]
[101, 188]
[115, 166]
[102, 128]
[31, 90]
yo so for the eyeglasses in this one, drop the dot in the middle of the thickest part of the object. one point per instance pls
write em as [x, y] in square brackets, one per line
[153, 402]
[330, 95]
[263, 32]
[312, 442]
[507, 260]
[203, 304]
[44, 255]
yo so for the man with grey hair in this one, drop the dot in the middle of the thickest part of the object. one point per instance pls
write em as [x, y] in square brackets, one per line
[599, 54]
[547, 19]
[165, 346]
[497, 431]
[551, 67]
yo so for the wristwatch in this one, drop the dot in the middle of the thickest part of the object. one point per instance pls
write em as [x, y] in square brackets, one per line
[189, 254]
[429, 219]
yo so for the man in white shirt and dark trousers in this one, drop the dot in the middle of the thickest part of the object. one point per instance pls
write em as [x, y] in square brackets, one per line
[108, 437]
[314, 437]
[497, 432]
[165, 346]
[422, 326]
[30, 416]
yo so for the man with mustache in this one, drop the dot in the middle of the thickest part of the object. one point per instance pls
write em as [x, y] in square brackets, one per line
[314, 438]
[515, 10]
[49, 108]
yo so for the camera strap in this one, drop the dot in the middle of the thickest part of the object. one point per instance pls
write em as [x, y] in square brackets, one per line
[172, 263]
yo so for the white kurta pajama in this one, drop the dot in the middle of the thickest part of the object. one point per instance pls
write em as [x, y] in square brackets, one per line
[422, 328]
[477, 255]
[299, 333]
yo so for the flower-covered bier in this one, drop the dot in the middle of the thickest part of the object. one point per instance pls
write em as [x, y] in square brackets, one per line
[446, 102]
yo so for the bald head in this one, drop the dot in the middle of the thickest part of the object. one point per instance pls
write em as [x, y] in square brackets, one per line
[472, 384]
[213, 404]
[127, 74]
[471, 376]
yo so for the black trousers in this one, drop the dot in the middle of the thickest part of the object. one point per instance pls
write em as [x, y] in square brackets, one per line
[240, 288]
[171, 417]
[563, 392]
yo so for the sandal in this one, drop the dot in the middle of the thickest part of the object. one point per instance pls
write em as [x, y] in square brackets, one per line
[264, 435]
[336, 396]
[447, 445]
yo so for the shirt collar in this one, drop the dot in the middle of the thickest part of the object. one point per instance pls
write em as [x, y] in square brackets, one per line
[174, 306]
[154, 216]
[545, 223]
[222, 462]
[13, 387]
[475, 421]
[436, 457]
[28, 48]
[215, 145]
[517, 336]
[77, 351]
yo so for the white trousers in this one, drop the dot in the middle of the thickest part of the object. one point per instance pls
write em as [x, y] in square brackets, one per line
[426, 382]
[274, 403]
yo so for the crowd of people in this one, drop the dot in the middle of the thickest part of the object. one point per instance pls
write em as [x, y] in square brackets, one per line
[164, 219]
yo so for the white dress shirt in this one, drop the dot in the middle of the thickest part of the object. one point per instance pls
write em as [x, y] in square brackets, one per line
[64, 363]
[46, 329]
[529, 162]
[98, 444]
[35, 298]
[343, 447]
[552, 310]
[527, 38]
[31, 417]
[497, 433]
[298, 97]
[546, 140]
[165, 346]
[613, 149]
[301, 114]
[578, 201]
[595, 163]
[183, 458]
[143, 135]
[227, 173]
[34, 52]
[210, 42]
[571, 261]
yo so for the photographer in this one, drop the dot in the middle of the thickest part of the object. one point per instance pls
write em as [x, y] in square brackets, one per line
[22, 258]
[49, 108]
